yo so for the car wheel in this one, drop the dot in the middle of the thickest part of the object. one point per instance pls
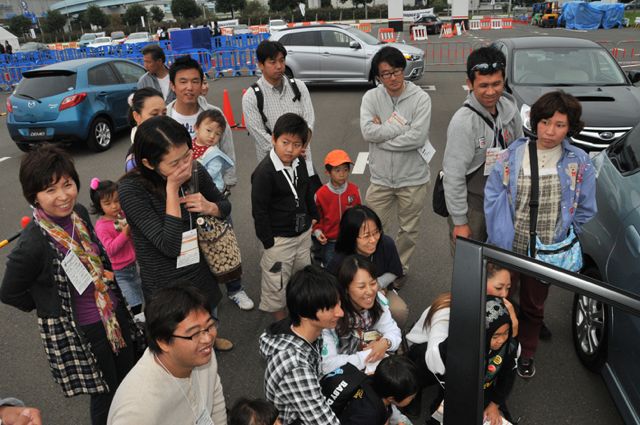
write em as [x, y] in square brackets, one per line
[590, 327]
[288, 72]
[100, 135]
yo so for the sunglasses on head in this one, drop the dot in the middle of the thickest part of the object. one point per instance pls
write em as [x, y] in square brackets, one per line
[487, 68]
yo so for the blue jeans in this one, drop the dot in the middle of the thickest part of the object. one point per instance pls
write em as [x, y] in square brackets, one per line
[234, 286]
[128, 280]
[328, 251]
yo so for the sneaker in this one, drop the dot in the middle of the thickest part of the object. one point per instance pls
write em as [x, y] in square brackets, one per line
[242, 300]
[526, 369]
[222, 344]
[545, 332]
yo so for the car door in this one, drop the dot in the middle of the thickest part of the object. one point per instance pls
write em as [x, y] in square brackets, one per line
[302, 53]
[107, 93]
[339, 60]
[129, 75]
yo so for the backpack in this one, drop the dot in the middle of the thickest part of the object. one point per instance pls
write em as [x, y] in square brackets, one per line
[339, 386]
[260, 100]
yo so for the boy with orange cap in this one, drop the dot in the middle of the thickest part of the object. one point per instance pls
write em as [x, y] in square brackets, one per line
[333, 199]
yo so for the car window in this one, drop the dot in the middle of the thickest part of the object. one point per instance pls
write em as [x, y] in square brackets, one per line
[45, 85]
[302, 38]
[102, 75]
[335, 39]
[367, 38]
[566, 66]
[129, 72]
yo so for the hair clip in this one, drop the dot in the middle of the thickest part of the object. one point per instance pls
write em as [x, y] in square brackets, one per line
[95, 182]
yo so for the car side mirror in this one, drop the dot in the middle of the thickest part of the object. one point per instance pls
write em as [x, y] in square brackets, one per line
[634, 76]
[354, 45]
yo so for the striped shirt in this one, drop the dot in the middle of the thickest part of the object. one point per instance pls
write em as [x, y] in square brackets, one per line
[276, 104]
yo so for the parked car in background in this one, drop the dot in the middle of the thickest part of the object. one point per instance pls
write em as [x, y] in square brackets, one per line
[100, 41]
[432, 22]
[240, 29]
[606, 339]
[118, 37]
[632, 5]
[138, 37]
[82, 100]
[32, 46]
[338, 54]
[277, 25]
[85, 39]
[583, 68]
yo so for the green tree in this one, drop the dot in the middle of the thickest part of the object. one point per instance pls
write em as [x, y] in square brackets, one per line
[157, 15]
[283, 5]
[254, 9]
[19, 25]
[54, 22]
[185, 9]
[357, 3]
[230, 5]
[95, 16]
[132, 15]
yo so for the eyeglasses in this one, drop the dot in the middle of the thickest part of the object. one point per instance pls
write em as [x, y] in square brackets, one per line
[395, 73]
[487, 68]
[200, 334]
[375, 234]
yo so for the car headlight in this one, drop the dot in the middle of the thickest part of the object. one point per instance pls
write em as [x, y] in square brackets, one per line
[525, 112]
[411, 57]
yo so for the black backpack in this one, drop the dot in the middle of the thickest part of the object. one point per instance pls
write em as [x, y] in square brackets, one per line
[340, 385]
[260, 100]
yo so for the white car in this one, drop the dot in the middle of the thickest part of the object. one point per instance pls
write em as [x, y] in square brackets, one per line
[100, 41]
[138, 37]
[277, 25]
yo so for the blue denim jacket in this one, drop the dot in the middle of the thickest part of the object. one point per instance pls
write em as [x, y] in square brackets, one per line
[577, 181]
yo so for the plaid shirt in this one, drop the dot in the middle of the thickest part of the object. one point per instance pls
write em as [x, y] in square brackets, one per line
[71, 360]
[292, 377]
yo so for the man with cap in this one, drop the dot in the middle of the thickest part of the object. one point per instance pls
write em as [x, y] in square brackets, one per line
[333, 199]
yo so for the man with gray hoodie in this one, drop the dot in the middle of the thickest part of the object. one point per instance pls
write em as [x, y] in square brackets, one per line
[395, 119]
[485, 124]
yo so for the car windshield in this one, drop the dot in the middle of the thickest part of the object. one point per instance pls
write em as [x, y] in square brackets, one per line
[137, 35]
[102, 40]
[45, 85]
[367, 38]
[566, 67]
[86, 37]
[277, 22]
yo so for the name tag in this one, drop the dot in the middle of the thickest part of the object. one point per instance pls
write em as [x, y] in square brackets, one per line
[189, 252]
[490, 158]
[427, 152]
[76, 272]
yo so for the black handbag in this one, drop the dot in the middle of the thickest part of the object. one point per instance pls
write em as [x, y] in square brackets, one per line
[438, 201]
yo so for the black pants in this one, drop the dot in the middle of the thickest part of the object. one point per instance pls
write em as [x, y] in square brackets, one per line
[114, 367]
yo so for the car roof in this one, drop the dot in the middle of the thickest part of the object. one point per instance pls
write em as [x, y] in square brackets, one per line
[313, 26]
[76, 64]
[546, 42]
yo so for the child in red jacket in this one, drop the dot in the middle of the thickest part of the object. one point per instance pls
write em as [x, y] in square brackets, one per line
[333, 199]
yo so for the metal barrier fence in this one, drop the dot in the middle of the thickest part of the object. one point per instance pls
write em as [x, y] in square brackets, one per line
[447, 53]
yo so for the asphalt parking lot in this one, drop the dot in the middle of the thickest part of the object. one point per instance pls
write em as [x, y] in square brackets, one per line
[562, 392]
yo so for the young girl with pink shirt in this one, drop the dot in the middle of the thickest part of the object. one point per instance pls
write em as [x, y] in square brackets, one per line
[114, 233]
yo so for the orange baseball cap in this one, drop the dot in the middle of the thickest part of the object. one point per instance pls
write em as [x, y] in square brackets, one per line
[337, 157]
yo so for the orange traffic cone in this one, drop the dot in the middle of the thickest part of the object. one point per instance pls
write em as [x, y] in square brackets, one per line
[242, 124]
[227, 110]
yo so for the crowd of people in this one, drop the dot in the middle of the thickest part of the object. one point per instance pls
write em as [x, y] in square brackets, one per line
[330, 276]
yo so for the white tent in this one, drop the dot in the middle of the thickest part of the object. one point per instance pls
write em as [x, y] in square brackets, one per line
[13, 40]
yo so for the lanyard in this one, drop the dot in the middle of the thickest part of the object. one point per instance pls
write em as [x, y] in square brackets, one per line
[175, 381]
[292, 183]
[188, 212]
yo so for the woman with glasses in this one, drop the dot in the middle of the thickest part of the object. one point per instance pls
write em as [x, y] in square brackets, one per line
[60, 269]
[162, 198]
[566, 201]
[361, 234]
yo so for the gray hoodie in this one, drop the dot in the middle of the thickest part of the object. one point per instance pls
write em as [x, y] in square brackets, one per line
[226, 142]
[468, 138]
[150, 80]
[394, 159]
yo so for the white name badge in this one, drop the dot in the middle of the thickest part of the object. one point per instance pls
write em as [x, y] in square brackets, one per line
[491, 156]
[76, 272]
[189, 252]
[427, 152]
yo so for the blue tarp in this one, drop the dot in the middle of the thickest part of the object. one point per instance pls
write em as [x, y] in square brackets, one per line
[579, 15]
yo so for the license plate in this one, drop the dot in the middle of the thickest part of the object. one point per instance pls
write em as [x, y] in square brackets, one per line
[37, 132]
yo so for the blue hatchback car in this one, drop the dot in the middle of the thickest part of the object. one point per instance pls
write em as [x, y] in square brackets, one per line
[72, 101]
[606, 339]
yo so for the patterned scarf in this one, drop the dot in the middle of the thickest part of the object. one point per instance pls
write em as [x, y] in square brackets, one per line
[354, 340]
[90, 258]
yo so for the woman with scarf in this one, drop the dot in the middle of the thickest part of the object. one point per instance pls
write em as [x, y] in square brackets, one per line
[60, 269]
[367, 331]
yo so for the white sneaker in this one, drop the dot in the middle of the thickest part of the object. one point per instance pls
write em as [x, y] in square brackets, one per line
[242, 300]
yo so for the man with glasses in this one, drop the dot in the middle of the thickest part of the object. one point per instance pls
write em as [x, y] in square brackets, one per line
[394, 119]
[485, 124]
[176, 381]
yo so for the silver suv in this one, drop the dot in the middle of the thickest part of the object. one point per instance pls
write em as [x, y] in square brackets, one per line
[338, 53]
